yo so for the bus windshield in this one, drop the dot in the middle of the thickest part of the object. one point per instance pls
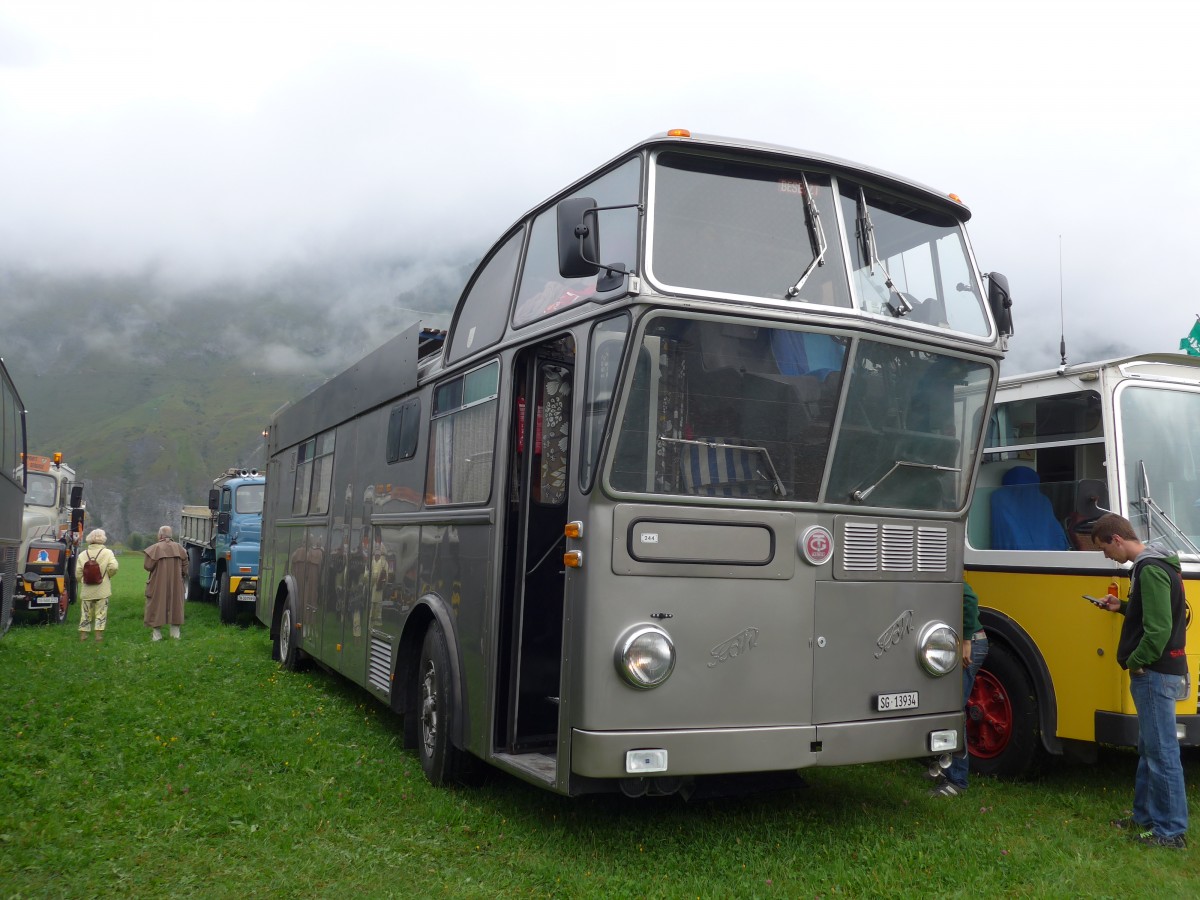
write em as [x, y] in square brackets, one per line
[724, 227]
[730, 410]
[1160, 453]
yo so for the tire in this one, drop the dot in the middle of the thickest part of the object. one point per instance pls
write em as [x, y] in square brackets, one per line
[57, 614]
[191, 588]
[286, 649]
[442, 762]
[228, 605]
[1003, 731]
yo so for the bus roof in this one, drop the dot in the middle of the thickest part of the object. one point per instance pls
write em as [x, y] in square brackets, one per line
[1146, 365]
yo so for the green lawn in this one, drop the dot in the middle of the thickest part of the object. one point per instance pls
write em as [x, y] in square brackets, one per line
[197, 767]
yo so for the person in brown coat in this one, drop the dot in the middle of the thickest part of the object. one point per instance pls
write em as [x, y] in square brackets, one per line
[167, 563]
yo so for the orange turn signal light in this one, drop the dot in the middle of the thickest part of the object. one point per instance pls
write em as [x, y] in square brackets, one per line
[573, 559]
[679, 132]
[573, 529]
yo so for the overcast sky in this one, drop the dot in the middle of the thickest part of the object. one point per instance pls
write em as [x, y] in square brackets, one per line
[230, 137]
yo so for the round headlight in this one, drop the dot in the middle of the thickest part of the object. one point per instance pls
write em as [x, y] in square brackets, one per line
[938, 648]
[645, 656]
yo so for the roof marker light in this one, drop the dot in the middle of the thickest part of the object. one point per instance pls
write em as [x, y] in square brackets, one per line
[679, 132]
[955, 198]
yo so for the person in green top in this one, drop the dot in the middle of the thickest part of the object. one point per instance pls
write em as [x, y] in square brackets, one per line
[953, 781]
[1151, 647]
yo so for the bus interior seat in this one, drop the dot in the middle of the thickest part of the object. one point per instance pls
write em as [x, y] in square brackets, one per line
[716, 471]
[1091, 502]
[1022, 516]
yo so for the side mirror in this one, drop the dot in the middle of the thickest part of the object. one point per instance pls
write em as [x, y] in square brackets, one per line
[223, 523]
[578, 238]
[214, 498]
[1000, 301]
[77, 496]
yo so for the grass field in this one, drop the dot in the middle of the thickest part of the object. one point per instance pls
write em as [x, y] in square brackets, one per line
[198, 768]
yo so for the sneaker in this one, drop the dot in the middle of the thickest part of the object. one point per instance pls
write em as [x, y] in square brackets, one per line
[1150, 839]
[946, 788]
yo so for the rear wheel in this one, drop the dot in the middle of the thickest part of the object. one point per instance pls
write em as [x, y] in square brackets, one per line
[1002, 718]
[227, 603]
[191, 588]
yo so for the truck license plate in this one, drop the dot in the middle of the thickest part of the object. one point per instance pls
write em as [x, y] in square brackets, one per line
[893, 702]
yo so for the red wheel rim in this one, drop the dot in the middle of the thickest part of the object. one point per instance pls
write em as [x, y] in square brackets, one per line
[989, 717]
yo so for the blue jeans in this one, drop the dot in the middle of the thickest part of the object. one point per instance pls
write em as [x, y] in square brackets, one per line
[1159, 799]
[959, 765]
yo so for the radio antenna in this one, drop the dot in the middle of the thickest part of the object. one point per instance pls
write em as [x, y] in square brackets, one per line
[1062, 339]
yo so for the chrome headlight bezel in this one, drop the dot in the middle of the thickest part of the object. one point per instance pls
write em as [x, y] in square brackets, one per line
[938, 649]
[645, 657]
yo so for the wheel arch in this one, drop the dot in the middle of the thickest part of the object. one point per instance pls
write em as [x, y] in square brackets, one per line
[1002, 629]
[285, 588]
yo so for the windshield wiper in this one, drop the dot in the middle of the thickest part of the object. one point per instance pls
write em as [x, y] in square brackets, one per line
[866, 238]
[861, 495]
[816, 237]
[1153, 508]
[777, 486]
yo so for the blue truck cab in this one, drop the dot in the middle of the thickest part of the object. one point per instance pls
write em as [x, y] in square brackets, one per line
[222, 542]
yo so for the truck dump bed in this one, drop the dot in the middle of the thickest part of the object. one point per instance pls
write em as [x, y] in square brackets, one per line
[196, 526]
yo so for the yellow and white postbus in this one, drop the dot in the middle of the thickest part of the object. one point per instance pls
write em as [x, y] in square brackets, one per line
[681, 492]
[1063, 447]
[12, 490]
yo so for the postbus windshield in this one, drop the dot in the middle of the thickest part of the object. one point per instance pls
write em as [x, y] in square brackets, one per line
[1160, 453]
[723, 227]
[724, 409]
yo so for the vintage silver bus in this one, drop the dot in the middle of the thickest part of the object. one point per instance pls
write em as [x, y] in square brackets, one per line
[12, 490]
[680, 492]
[1063, 447]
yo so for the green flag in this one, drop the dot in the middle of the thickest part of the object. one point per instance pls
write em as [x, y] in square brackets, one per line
[1191, 343]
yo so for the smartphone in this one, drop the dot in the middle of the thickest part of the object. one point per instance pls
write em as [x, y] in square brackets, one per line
[1096, 601]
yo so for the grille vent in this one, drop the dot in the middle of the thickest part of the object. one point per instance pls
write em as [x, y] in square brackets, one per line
[379, 665]
[871, 547]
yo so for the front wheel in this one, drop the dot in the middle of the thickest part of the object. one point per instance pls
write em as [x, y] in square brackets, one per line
[57, 614]
[286, 649]
[1003, 732]
[440, 759]
[228, 605]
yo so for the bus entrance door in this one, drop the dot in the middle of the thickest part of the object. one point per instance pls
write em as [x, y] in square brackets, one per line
[532, 606]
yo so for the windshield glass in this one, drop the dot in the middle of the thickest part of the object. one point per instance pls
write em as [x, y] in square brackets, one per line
[722, 409]
[42, 490]
[727, 227]
[1160, 437]
[924, 253]
[249, 498]
[910, 429]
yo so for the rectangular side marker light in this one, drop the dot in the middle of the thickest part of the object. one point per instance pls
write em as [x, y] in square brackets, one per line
[642, 762]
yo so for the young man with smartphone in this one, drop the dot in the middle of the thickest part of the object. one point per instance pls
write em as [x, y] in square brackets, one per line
[1151, 647]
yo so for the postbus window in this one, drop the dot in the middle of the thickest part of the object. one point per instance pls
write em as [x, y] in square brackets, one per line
[483, 312]
[608, 342]
[300, 495]
[463, 436]
[403, 432]
[1043, 464]
[543, 290]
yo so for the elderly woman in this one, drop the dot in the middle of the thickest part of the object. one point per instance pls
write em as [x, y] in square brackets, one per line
[167, 564]
[94, 597]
